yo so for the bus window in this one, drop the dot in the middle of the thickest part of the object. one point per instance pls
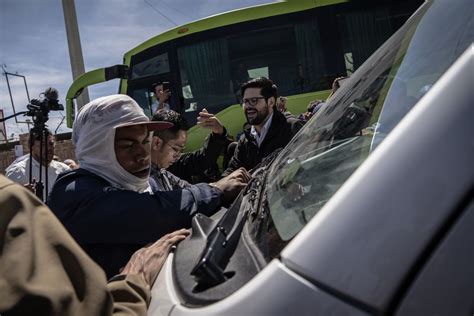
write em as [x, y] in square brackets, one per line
[258, 72]
[311, 67]
[268, 52]
[153, 66]
[204, 76]
[349, 62]
[362, 32]
[144, 99]
[212, 71]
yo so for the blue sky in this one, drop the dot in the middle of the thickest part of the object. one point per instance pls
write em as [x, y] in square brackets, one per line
[33, 42]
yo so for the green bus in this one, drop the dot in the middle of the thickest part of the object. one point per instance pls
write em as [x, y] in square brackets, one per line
[302, 45]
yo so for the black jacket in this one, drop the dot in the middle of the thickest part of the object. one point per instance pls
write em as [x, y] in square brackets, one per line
[193, 166]
[248, 154]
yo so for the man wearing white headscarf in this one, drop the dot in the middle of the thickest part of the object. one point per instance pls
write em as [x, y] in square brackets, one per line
[106, 204]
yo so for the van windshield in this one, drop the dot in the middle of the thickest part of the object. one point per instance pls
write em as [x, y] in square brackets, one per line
[336, 141]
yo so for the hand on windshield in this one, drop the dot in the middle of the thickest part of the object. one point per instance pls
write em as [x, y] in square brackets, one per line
[149, 260]
[233, 183]
[210, 121]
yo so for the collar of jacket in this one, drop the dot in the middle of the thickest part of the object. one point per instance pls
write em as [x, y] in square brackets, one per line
[275, 128]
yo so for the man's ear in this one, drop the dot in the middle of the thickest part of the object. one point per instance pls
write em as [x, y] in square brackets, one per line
[155, 142]
[271, 102]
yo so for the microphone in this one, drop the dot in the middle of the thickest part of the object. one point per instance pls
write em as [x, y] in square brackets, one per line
[51, 93]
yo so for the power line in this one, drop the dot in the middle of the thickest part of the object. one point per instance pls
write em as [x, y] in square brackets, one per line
[183, 13]
[161, 14]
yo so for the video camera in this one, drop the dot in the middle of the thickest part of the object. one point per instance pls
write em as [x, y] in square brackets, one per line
[39, 109]
[45, 105]
[48, 103]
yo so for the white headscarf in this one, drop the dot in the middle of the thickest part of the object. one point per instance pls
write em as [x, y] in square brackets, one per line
[94, 136]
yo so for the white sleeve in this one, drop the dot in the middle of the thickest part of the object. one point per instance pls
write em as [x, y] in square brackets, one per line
[17, 174]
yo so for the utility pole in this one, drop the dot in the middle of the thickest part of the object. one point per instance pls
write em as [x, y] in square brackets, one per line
[75, 50]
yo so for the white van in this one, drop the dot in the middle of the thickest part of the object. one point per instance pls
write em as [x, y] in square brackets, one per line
[383, 219]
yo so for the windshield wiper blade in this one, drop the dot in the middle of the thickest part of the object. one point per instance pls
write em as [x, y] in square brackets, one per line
[223, 239]
[209, 270]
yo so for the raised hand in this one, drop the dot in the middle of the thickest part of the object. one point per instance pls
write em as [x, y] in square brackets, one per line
[210, 121]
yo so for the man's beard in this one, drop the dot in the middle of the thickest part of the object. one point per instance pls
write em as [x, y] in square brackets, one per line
[260, 116]
[45, 159]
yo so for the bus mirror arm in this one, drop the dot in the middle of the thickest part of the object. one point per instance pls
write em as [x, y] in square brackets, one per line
[88, 78]
[116, 72]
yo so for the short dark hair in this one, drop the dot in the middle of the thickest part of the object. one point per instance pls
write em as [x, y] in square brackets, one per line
[179, 123]
[155, 84]
[268, 88]
[36, 136]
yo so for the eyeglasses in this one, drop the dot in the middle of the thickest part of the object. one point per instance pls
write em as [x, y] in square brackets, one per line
[251, 101]
[177, 151]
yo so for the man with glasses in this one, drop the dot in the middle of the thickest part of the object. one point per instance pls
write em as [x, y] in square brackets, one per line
[168, 145]
[268, 128]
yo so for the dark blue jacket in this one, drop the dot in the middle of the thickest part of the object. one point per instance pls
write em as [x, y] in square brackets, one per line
[111, 224]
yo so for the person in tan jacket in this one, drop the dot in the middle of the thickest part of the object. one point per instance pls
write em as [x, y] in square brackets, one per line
[43, 271]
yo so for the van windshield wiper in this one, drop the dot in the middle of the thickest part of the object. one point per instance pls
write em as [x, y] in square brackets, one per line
[222, 239]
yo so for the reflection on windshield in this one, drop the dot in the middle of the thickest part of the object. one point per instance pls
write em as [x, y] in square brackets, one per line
[336, 141]
[310, 180]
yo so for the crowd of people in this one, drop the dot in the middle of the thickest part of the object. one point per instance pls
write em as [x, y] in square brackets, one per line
[132, 187]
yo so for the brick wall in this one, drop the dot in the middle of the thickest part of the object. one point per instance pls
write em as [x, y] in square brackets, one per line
[64, 150]
[6, 158]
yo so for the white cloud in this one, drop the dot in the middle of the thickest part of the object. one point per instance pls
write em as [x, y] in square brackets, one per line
[37, 47]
